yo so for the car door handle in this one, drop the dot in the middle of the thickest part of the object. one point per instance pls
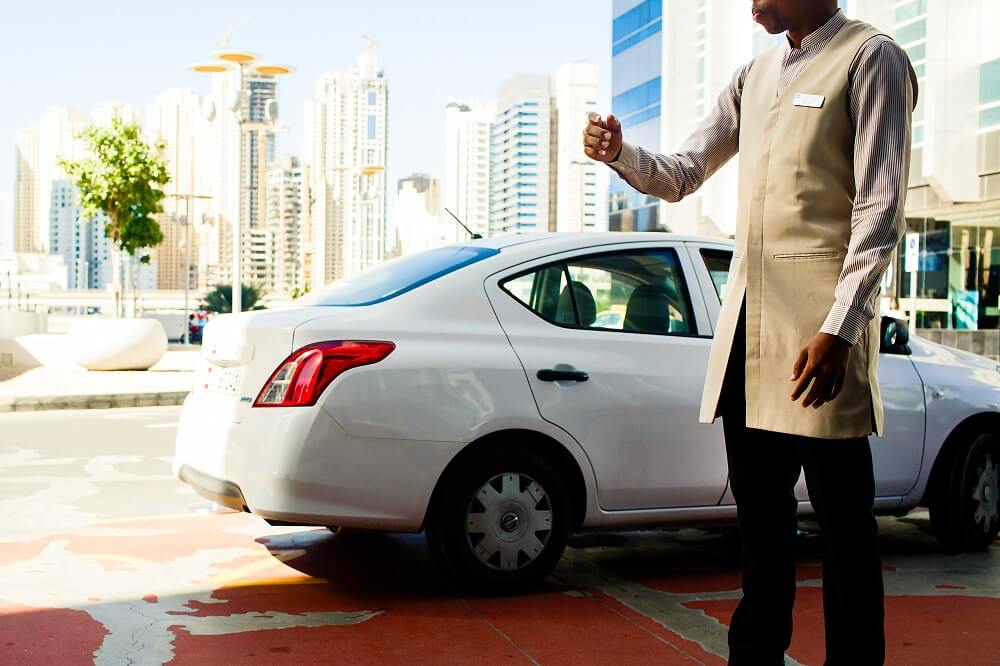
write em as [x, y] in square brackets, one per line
[563, 376]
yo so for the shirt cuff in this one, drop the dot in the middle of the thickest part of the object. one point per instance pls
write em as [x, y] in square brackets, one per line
[627, 158]
[846, 322]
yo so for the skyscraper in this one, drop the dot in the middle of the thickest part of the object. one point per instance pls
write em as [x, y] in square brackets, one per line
[540, 180]
[237, 178]
[57, 132]
[521, 182]
[80, 241]
[581, 192]
[670, 60]
[288, 221]
[177, 118]
[953, 196]
[345, 147]
[466, 187]
[25, 202]
[48, 216]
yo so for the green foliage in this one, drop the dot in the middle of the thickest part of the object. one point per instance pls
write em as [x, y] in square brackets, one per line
[299, 293]
[121, 179]
[220, 298]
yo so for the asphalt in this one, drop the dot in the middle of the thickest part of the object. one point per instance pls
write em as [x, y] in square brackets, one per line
[106, 558]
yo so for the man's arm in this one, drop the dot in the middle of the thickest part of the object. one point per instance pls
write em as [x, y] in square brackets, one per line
[881, 103]
[673, 177]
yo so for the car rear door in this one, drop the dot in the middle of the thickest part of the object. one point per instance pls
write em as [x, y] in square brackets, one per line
[615, 345]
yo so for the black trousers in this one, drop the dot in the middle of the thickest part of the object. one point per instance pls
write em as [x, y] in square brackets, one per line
[764, 467]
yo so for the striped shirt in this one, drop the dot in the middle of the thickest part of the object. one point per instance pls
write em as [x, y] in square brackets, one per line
[882, 94]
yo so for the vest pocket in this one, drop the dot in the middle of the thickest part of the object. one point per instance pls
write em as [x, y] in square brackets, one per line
[821, 255]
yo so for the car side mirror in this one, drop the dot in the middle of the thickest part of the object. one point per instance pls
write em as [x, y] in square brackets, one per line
[895, 336]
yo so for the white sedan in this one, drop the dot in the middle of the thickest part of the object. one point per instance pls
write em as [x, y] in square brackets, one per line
[502, 393]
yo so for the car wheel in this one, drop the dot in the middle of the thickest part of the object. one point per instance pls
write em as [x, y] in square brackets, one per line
[965, 510]
[501, 521]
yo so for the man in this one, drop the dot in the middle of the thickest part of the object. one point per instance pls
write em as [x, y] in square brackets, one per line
[822, 123]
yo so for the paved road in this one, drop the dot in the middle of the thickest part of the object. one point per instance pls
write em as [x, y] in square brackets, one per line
[105, 557]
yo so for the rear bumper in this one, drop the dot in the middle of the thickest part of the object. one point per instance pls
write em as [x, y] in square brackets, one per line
[298, 464]
[224, 493]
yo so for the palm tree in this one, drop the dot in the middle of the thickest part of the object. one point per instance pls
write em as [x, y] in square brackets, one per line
[220, 299]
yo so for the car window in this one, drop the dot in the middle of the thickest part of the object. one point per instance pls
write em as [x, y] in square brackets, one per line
[397, 276]
[544, 291]
[639, 292]
[717, 262]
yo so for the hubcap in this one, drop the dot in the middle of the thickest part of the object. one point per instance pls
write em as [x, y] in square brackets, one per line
[986, 494]
[508, 521]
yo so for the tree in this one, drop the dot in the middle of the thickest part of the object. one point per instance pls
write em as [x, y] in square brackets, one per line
[122, 179]
[220, 298]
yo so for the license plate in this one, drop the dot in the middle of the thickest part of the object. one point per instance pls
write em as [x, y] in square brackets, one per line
[220, 380]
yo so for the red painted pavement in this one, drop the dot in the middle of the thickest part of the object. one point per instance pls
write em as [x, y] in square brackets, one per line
[399, 609]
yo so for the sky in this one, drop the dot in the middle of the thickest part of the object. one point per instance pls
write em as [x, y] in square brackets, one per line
[80, 54]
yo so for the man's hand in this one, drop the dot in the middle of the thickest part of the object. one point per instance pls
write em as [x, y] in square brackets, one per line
[602, 139]
[823, 360]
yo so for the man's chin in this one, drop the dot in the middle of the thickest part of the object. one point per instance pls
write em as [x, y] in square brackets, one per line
[765, 20]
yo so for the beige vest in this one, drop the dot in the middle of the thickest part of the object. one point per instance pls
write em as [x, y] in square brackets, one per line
[793, 228]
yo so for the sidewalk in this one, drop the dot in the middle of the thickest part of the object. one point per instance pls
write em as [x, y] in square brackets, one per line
[166, 383]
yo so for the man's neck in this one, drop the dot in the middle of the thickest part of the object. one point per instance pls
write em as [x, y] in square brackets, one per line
[810, 23]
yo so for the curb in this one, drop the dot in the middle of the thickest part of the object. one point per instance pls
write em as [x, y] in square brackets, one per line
[91, 401]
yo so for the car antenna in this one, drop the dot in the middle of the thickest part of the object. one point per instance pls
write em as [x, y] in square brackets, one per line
[474, 236]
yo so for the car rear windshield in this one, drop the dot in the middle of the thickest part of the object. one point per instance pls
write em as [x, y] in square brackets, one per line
[397, 276]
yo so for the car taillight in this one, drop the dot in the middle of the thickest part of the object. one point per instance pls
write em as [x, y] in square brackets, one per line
[302, 377]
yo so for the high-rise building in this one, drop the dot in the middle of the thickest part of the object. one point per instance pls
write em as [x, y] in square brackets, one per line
[25, 202]
[953, 198]
[521, 180]
[466, 187]
[418, 219]
[345, 147]
[953, 201]
[80, 241]
[540, 180]
[670, 60]
[636, 82]
[48, 215]
[176, 117]
[288, 221]
[57, 133]
[236, 177]
[581, 192]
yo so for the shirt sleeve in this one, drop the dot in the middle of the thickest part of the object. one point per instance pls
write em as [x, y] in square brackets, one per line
[881, 103]
[673, 177]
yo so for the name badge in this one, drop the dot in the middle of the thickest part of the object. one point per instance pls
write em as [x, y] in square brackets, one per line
[813, 101]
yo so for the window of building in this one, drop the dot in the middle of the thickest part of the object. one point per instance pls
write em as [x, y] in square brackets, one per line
[912, 32]
[910, 10]
[372, 127]
[372, 98]
[638, 98]
[635, 18]
[989, 94]
[637, 37]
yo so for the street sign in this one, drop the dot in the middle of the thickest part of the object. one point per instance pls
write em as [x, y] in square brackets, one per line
[911, 260]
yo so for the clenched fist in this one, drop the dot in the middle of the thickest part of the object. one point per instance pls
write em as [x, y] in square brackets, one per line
[602, 139]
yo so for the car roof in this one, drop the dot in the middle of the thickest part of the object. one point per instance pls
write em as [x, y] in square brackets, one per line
[589, 238]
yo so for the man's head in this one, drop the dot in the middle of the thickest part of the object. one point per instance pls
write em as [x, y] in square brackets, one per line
[780, 15]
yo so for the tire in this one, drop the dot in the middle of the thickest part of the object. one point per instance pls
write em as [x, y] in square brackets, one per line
[965, 509]
[501, 521]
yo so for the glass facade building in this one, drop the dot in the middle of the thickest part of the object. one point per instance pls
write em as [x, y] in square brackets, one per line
[636, 82]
